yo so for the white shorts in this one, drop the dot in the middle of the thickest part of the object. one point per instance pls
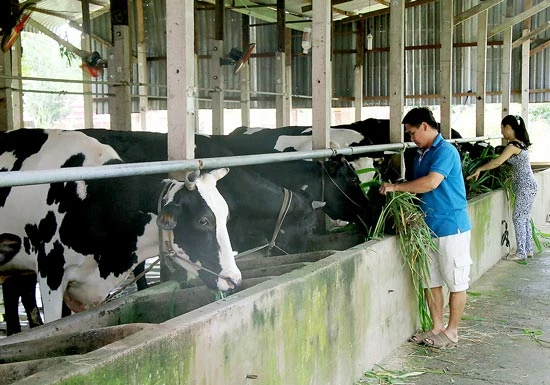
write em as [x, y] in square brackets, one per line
[451, 266]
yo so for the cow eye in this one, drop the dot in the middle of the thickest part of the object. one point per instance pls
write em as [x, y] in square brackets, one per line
[204, 222]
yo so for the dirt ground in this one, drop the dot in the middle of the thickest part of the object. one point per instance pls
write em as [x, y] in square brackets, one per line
[504, 335]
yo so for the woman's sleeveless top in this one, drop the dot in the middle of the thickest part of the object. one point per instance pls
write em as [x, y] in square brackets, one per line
[522, 174]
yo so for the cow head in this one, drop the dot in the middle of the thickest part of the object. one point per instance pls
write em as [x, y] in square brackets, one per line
[342, 192]
[194, 216]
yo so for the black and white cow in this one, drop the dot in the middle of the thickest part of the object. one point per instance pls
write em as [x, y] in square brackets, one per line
[254, 201]
[366, 132]
[299, 138]
[83, 238]
[333, 181]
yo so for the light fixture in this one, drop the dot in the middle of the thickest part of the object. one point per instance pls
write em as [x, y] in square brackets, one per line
[306, 40]
[369, 35]
[369, 41]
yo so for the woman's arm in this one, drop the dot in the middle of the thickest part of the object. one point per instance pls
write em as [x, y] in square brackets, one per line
[508, 151]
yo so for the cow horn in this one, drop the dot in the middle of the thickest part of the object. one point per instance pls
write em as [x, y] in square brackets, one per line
[190, 179]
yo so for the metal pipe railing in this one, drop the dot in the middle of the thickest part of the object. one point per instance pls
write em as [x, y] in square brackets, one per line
[22, 178]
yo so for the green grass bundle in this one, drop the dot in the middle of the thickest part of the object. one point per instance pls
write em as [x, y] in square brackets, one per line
[415, 243]
[494, 179]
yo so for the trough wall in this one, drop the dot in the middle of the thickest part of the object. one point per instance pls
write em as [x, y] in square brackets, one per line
[323, 324]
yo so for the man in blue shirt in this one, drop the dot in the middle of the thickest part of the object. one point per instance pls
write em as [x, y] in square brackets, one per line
[439, 182]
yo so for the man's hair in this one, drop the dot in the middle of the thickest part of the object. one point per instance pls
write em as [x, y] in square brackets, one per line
[417, 115]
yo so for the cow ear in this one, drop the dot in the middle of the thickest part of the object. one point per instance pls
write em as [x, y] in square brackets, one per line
[219, 173]
[10, 244]
[168, 216]
[318, 204]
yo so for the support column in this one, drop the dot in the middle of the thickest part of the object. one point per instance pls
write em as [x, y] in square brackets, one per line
[217, 82]
[359, 69]
[506, 70]
[446, 66]
[181, 79]
[245, 75]
[142, 66]
[120, 107]
[321, 77]
[85, 45]
[525, 55]
[481, 70]
[6, 111]
[17, 86]
[216, 85]
[397, 76]
[282, 114]
[287, 100]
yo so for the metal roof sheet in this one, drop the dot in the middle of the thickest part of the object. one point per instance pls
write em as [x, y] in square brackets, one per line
[53, 14]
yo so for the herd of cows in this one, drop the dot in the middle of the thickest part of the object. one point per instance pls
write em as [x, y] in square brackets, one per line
[80, 240]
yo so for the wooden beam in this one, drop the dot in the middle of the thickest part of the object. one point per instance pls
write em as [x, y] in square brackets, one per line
[408, 4]
[507, 23]
[77, 51]
[483, 6]
[309, 8]
[541, 28]
[539, 48]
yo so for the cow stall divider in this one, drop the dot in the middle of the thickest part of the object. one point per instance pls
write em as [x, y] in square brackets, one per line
[144, 308]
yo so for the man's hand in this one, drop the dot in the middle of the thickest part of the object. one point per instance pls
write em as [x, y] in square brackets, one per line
[386, 188]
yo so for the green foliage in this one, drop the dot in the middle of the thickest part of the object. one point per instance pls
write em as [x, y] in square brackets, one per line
[415, 239]
[540, 112]
[494, 179]
[537, 235]
[416, 244]
[50, 103]
[68, 55]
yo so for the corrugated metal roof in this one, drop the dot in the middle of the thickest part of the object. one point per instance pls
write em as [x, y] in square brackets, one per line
[55, 13]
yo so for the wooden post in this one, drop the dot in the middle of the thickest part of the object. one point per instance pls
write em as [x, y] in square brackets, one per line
[481, 69]
[85, 45]
[446, 66]
[397, 77]
[359, 69]
[120, 69]
[321, 74]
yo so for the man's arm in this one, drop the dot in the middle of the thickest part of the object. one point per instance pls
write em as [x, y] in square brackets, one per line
[418, 186]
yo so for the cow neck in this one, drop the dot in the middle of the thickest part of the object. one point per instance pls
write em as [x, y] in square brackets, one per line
[285, 207]
[324, 172]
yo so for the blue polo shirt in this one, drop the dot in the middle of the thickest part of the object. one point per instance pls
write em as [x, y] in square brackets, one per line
[446, 206]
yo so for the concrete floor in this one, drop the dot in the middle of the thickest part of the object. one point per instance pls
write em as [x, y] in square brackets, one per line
[504, 335]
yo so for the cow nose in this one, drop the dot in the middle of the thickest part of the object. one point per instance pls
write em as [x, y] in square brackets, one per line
[232, 283]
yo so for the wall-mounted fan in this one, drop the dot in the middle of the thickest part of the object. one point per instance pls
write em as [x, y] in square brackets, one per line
[237, 59]
[93, 63]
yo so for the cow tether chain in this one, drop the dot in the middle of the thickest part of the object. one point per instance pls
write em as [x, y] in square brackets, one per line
[325, 171]
[285, 207]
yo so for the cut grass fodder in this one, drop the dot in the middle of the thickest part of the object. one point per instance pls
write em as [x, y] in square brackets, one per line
[384, 377]
[415, 243]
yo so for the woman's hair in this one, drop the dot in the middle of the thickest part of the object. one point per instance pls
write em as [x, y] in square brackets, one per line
[518, 125]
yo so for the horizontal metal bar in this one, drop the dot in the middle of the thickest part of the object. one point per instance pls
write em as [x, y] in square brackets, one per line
[22, 178]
